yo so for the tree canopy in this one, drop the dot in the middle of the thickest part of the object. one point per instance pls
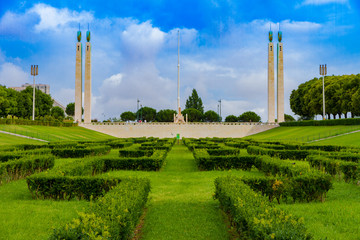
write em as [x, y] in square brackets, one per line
[249, 117]
[165, 115]
[128, 116]
[194, 101]
[57, 113]
[194, 115]
[147, 113]
[231, 118]
[211, 116]
[341, 97]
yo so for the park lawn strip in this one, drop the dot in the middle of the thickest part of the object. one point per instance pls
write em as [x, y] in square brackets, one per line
[25, 218]
[337, 218]
[181, 205]
[302, 134]
[351, 140]
[56, 133]
[7, 139]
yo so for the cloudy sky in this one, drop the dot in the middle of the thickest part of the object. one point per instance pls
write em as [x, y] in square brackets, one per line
[134, 48]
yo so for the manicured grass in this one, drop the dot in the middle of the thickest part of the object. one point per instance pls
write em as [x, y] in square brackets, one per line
[21, 217]
[181, 204]
[352, 139]
[302, 134]
[337, 218]
[56, 133]
[6, 139]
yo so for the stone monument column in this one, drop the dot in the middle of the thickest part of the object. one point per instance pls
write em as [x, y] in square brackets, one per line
[271, 86]
[87, 94]
[78, 80]
[280, 80]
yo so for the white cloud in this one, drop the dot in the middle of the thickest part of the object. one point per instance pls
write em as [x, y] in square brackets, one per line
[12, 75]
[54, 19]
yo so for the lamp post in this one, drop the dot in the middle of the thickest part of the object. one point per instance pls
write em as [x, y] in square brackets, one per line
[141, 112]
[323, 72]
[137, 112]
[34, 72]
[220, 110]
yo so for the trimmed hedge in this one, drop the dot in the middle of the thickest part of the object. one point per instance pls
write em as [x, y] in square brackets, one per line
[253, 215]
[113, 216]
[350, 170]
[10, 121]
[282, 154]
[81, 151]
[332, 122]
[49, 186]
[223, 151]
[25, 166]
[275, 166]
[135, 153]
[205, 161]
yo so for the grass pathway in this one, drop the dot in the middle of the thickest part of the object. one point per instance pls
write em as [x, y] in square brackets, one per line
[181, 205]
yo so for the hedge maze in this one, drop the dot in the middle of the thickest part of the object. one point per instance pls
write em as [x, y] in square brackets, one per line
[293, 173]
[272, 174]
[117, 203]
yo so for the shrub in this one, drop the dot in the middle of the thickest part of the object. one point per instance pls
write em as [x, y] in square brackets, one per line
[80, 151]
[25, 166]
[113, 216]
[253, 215]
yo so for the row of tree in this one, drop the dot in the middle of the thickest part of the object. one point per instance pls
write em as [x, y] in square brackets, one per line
[342, 96]
[194, 109]
[20, 104]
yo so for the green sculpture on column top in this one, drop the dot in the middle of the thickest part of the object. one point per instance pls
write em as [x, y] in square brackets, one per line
[279, 36]
[79, 36]
[270, 36]
[88, 36]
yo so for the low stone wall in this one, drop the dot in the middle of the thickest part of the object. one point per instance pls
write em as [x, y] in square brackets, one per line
[188, 130]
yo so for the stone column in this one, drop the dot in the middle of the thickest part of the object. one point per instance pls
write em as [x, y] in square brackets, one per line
[78, 82]
[280, 83]
[271, 86]
[87, 94]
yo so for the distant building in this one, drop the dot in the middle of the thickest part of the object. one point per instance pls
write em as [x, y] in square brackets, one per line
[45, 88]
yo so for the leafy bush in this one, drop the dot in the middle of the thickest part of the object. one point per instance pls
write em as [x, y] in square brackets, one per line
[253, 215]
[113, 216]
[80, 151]
[282, 154]
[25, 166]
[10, 121]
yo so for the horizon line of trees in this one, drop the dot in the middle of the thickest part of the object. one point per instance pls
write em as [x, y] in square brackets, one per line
[19, 104]
[342, 96]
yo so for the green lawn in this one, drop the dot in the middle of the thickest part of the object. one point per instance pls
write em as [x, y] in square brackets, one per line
[337, 218]
[352, 139]
[181, 204]
[6, 139]
[56, 133]
[302, 134]
[21, 217]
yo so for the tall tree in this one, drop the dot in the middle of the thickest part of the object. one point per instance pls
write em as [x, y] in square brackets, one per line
[231, 118]
[58, 113]
[70, 109]
[249, 117]
[165, 115]
[147, 113]
[194, 115]
[194, 101]
[211, 116]
[128, 116]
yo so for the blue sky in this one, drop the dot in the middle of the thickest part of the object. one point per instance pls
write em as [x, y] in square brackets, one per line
[223, 48]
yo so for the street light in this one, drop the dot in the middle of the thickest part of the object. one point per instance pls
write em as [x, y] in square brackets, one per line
[34, 72]
[137, 112]
[141, 112]
[323, 72]
[220, 110]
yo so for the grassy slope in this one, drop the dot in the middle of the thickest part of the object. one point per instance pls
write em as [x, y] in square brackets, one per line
[181, 204]
[337, 218]
[56, 133]
[302, 134]
[352, 139]
[6, 139]
[21, 217]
